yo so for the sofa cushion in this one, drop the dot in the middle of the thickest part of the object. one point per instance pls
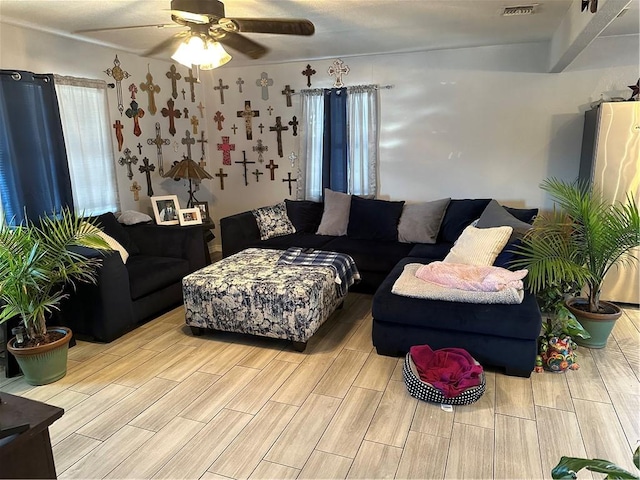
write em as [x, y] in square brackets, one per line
[374, 219]
[148, 274]
[304, 240]
[420, 222]
[479, 246]
[335, 216]
[508, 254]
[273, 221]
[435, 251]
[527, 215]
[497, 216]
[370, 255]
[133, 217]
[459, 215]
[110, 226]
[304, 214]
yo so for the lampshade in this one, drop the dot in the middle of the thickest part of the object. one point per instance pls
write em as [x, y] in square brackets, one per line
[200, 51]
[187, 169]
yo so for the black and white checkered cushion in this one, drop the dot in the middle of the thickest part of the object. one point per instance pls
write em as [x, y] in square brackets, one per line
[427, 392]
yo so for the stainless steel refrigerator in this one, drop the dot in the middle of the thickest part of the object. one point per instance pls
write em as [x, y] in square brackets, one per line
[610, 159]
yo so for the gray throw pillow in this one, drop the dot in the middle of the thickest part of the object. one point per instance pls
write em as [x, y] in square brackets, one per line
[420, 222]
[335, 217]
[494, 215]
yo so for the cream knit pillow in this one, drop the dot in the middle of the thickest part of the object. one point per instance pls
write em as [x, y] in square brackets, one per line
[479, 246]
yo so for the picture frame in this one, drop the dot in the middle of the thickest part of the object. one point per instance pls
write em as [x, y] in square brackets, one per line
[189, 216]
[165, 209]
[204, 211]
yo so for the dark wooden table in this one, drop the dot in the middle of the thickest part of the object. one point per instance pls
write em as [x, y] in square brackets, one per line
[25, 446]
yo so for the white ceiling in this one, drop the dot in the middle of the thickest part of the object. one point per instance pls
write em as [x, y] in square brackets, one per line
[343, 27]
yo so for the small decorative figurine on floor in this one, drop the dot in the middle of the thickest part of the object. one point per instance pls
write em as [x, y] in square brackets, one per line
[118, 128]
[127, 160]
[151, 90]
[264, 82]
[289, 180]
[244, 163]
[222, 88]
[135, 112]
[338, 69]
[221, 176]
[172, 113]
[248, 115]
[191, 80]
[272, 166]
[159, 142]
[219, 118]
[147, 168]
[174, 76]
[118, 74]
[260, 148]
[307, 73]
[287, 91]
[135, 188]
[226, 148]
[278, 128]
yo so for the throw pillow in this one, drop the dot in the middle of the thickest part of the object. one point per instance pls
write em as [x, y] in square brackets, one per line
[335, 217]
[273, 221]
[374, 219]
[479, 246]
[304, 214]
[131, 217]
[497, 216]
[110, 226]
[527, 215]
[112, 242]
[459, 215]
[420, 222]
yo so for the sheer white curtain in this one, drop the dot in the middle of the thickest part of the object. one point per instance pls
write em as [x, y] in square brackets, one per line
[311, 140]
[362, 135]
[86, 125]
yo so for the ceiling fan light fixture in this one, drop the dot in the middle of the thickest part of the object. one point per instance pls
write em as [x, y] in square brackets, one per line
[214, 56]
[202, 52]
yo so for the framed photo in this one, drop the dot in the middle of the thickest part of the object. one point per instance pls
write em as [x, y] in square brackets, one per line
[204, 211]
[165, 209]
[189, 216]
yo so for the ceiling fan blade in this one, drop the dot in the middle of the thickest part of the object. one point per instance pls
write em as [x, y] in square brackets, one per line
[170, 43]
[240, 43]
[289, 26]
[107, 29]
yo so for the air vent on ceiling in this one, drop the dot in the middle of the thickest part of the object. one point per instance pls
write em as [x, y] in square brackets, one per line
[519, 10]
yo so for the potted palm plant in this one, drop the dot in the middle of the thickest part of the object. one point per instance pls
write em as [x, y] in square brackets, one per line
[37, 262]
[579, 243]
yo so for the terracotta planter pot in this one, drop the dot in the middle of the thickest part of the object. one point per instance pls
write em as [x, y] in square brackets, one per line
[599, 325]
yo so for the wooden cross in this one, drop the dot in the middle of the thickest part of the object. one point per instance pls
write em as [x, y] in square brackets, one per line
[270, 110]
[202, 141]
[338, 68]
[264, 82]
[185, 110]
[240, 82]
[234, 128]
[222, 88]
[294, 125]
[147, 168]
[201, 108]
[128, 160]
[248, 115]
[139, 148]
[191, 80]
[287, 91]
[307, 73]
[221, 175]
[272, 166]
[118, 75]
[226, 149]
[136, 113]
[135, 188]
[158, 141]
[257, 173]
[169, 111]
[188, 141]
[133, 90]
[151, 90]
[118, 127]
[244, 163]
[174, 76]
[219, 118]
[260, 148]
[289, 180]
[194, 124]
[279, 129]
[183, 94]
[261, 127]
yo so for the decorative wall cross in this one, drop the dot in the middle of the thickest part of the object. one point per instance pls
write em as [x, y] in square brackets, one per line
[118, 128]
[183, 93]
[294, 125]
[240, 82]
[118, 74]
[278, 128]
[139, 148]
[307, 73]
[221, 176]
[264, 82]
[226, 148]
[287, 91]
[257, 173]
[174, 76]
[133, 90]
[135, 188]
[158, 141]
[169, 111]
[272, 166]
[191, 80]
[270, 110]
[147, 168]
[151, 90]
[222, 88]
[201, 108]
[244, 163]
[194, 124]
[234, 128]
[261, 127]
[219, 118]
[290, 181]
[202, 141]
[260, 148]
[248, 115]
[188, 141]
[185, 111]
[292, 158]
[136, 113]
[128, 160]
[338, 68]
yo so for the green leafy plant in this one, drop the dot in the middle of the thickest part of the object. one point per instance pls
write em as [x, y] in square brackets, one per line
[559, 320]
[568, 467]
[37, 261]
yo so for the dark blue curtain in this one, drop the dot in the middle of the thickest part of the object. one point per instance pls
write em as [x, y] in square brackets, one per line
[335, 148]
[34, 174]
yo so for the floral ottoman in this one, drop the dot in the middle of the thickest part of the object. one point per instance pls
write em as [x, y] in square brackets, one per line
[249, 293]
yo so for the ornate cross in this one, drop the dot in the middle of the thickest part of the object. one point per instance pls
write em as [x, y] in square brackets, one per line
[260, 148]
[118, 128]
[139, 148]
[118, 75]
[248, 115]
[307, 73]
[133, 90]
[191, 80]
[272, 166]
[135, 188]
[244, 164]
[294, 125]
[257, 173]
[292, 158]
[289, 180]
[147, 168]
[194, 124]
[222, 88]
[219, 118]
[158, 141]
[338, 68]
[174, 76]
[261, 127]
[185, 110]
[234, 128]
[202, 141]
[287, 91]
[278, 128]
[221, 176]
[201, 108]
[183, 93]
[151, 90]
[226, 149]
[270, 110]
[128, 160]
[264, 82]
[240, 82]
[169, 111]
[136, 113]
[188, 141]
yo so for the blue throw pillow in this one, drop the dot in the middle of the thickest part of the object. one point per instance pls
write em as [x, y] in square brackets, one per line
[527, 215]
[374, 219]
[304, 214]
[459, 215]
[109, 225]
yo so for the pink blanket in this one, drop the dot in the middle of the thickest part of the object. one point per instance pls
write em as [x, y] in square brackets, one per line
[450, 370]
[471, 277]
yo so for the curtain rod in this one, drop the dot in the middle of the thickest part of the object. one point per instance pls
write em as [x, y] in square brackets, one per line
[375, 87]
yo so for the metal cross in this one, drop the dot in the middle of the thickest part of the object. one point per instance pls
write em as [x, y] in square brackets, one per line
[264, 82]
[188, 141]
[226, 148]
[221, 175]
[272, 166]
[147, 168]
[169, 111]
[292, 158]
[202, 141]
[174, 76]
[191, 80]
[261, 127]
[151, 90]
[248, 115]
[139, 148]
[194, 124]
[257, 173]
[289, 180]
[278, 128]
[201, 108]
[307, 73]
[270, 109]
[158, 141]
[183, 94]
[118, 128]
[287, 91]
[240, 82]
[260, 148]
[338, 68]
[219, 118]
[136, 113]
[294, 125]
[128, 160]
[234, 128]
[244, 163]
[118, 75]
[185, 110]
[222, 88]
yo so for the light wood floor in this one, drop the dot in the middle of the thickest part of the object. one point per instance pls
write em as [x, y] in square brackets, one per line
[159, 403]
